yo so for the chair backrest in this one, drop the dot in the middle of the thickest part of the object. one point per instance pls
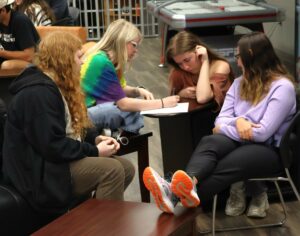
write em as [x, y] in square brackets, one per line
[290, 142]
[79, 31]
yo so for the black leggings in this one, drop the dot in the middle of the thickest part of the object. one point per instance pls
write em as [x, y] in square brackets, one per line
[218, 161]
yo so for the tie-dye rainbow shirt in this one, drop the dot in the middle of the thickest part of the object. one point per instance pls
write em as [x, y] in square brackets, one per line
[99, 80]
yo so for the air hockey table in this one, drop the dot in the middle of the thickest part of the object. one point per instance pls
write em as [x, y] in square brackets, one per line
[206, 14]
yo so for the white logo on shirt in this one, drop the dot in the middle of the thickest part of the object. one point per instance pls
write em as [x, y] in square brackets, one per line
[7, 38]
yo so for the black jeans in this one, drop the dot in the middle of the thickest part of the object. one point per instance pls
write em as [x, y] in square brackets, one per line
[219, 161]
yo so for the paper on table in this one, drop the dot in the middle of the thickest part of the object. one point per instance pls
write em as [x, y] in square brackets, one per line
[180, 108]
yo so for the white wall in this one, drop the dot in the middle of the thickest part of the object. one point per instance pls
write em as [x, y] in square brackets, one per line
[283, 35]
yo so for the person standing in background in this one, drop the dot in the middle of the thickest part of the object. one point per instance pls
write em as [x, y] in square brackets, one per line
[61, 12]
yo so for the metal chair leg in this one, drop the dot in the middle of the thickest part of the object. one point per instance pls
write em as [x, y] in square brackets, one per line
[292, 183]
[213, 223]
[280, 223]
[213, 218]
[282, 204]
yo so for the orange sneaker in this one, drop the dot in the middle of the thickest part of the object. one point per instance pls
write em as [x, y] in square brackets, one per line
[160, 190]
[184, 187]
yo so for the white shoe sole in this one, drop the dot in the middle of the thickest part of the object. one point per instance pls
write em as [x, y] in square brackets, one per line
[152, 184]
[183, 187]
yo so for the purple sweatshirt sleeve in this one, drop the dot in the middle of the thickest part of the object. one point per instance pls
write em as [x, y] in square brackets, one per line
[272, 113]
[280, 105]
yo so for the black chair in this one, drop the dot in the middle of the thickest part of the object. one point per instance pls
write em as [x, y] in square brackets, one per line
[16, 216]
[289, 151]
[139, 143]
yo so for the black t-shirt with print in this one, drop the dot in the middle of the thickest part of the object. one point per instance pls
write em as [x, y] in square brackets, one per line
[19, 34]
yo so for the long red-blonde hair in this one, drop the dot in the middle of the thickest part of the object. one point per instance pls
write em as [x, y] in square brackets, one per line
[56, 56]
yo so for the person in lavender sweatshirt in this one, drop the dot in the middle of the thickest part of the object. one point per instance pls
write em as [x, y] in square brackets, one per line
[257, 110]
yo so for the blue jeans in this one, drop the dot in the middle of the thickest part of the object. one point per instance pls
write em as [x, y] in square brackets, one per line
[109, 116]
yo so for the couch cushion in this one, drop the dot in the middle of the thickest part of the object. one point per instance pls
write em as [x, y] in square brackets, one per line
[16, 216]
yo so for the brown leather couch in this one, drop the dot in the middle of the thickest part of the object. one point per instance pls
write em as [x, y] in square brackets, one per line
[79, 31]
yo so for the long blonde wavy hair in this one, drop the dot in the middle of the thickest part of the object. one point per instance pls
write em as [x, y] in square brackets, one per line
[261, 66]
[56, 57]
[114, 41]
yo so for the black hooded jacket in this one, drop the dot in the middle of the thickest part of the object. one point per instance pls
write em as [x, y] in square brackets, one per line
[36, 151]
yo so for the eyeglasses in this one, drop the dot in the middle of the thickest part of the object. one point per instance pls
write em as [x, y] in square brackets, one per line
[237, 56]
[134, 44]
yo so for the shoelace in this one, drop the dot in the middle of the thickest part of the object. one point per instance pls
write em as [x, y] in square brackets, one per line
[168, 178]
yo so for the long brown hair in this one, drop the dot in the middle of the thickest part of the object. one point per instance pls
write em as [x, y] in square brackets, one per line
[56, 56]
[261, 66]
[185, 41]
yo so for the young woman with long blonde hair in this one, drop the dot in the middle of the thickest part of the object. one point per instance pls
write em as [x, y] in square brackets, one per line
[111, 102]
